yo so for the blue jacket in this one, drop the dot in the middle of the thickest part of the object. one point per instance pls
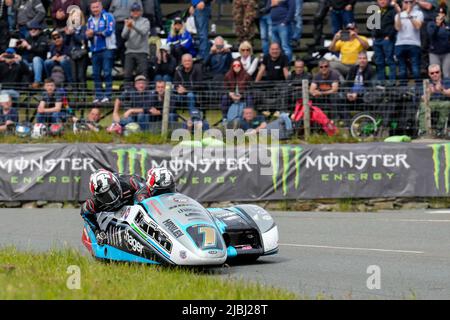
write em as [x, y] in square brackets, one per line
[439, 38]
[196, 2]
[283, 13]
[184, 40]
[104, 32]
[219, 63]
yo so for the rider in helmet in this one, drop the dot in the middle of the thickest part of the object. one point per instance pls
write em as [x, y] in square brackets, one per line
[110, 191]
[159, 181]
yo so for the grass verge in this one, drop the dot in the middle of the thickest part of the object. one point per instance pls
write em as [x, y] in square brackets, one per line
[26, 275]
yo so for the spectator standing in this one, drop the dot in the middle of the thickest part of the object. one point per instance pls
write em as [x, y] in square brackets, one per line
[5, 6]
[136, 33]
[180, 40]
[282, 14]
[408, 23]
[245, 13]
[76, 37]
[384, 41]
[202, 14]
[34, 52]
[439, 36]
[439, 94]
[186, 81]
[28, 11]
[59, 55]
[236, 82]
[348, 48]
[59, 12]
[323, 8]
[429, 9]
[8, 115]
[219, 60]
[135, 102]
[50, 105]
[265, 25]
[121, 9]
[341, 14]
[165, 64]
[100, 32]
[275, 65]
[297, 24]
[249, 62]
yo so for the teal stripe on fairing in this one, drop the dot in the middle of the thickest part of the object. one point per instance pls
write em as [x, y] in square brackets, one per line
[231, 252]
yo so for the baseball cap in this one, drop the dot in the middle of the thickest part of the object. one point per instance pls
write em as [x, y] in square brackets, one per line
[10, 51]
[177, 20]
[136, 7]
[4, 97]
[350, 25]
[140, 78]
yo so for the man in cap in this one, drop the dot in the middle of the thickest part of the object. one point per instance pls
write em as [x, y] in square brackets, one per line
[135, 102]
[34, 52]
[121, 9]
[135, 33]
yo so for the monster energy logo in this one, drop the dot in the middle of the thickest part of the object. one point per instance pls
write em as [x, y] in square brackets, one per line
[439, 151]
[286, 152]
[131, 154]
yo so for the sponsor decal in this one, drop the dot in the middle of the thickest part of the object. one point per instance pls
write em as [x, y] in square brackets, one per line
[131, 243]
[441, 166]
[183, 254]
[179, 199]
[212, 251]
[173, 228]
[151, 229]
[126, 213]
[288, 161]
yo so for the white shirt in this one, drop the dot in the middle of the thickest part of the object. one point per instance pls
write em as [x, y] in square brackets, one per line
[249, 65]
[408, 35]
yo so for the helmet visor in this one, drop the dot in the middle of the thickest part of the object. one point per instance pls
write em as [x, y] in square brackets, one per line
[110, 196]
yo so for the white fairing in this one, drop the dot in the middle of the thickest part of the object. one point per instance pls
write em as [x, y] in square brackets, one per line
[184, 250]
[270, 239]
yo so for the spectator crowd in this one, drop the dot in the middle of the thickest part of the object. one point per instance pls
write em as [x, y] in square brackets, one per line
[49, 46]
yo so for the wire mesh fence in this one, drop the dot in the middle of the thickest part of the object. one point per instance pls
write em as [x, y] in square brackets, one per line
[365, 110]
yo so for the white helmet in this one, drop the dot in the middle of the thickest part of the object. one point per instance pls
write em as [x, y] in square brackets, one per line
[159, 181]
[39, 131]
[105, 187]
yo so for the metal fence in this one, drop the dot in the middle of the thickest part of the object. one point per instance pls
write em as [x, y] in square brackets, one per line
[391, 110]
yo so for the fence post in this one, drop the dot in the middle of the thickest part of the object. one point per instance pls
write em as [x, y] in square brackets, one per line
[307, 115]
[426, 103]
[166, 110]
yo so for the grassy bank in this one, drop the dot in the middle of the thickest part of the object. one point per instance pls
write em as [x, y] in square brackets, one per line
[25, 275]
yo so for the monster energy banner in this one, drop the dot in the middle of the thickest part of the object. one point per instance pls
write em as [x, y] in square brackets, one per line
[60, 172]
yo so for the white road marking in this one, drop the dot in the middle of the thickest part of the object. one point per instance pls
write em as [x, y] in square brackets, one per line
[418, 220]
[349, 248]
[439, 212]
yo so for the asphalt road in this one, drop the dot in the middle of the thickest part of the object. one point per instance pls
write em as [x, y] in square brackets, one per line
[321, 254]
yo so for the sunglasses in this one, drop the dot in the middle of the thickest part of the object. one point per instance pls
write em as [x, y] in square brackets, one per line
[236, 65]
[323, 67]
[56, 37]
[245, 50]
[435, 72]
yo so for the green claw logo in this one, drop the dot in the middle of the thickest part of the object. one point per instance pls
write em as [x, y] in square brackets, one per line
[437, 155]
[132, 153]
[286, 152]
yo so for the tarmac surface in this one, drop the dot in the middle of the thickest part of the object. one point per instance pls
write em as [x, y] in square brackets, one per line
[387, 255]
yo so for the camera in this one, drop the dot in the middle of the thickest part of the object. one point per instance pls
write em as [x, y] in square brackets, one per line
[345, 35]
